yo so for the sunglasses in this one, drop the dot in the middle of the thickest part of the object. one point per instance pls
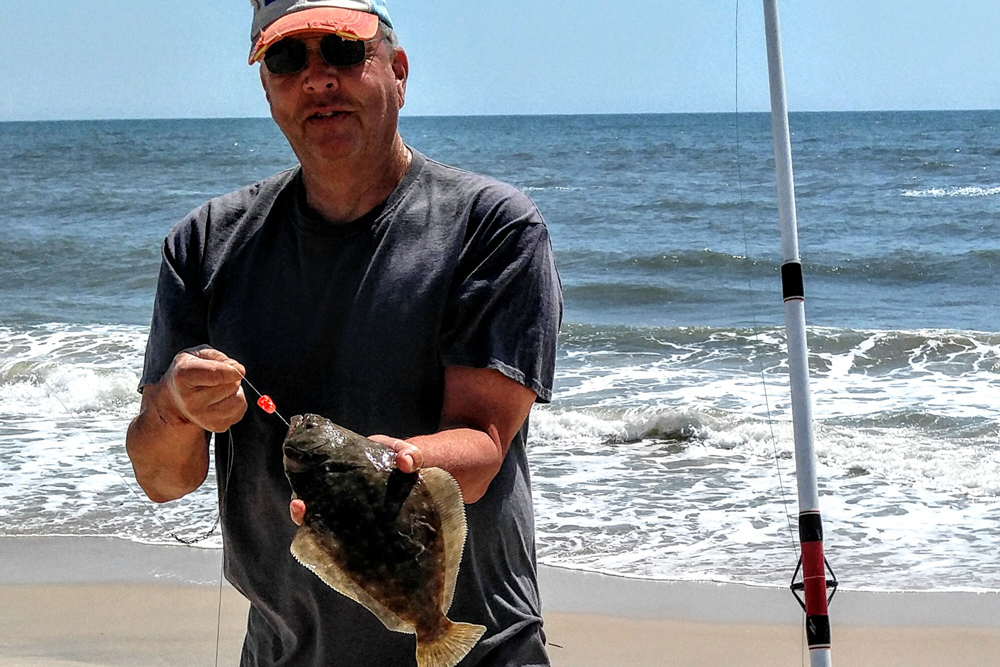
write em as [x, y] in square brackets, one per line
[291, 55]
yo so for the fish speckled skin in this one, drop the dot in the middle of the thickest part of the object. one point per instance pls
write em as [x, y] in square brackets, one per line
[389, 540]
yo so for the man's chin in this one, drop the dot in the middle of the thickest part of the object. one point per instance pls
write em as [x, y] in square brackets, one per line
[329, 146]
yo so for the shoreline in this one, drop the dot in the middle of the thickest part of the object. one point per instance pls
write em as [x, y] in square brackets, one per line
[106, 602]
[585, 592]
[116, 546]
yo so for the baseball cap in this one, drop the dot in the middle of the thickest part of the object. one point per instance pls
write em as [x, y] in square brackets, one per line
[351, 19]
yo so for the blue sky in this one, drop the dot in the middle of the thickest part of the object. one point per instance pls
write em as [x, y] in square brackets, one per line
[80, 59]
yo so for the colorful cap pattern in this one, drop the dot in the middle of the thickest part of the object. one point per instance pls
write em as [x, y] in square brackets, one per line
[351, 19]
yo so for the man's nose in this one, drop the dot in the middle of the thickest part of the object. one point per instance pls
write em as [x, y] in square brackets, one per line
[320, 76]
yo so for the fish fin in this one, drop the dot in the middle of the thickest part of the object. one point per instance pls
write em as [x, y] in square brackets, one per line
[449, 649]
[312, 553]
[447, 497]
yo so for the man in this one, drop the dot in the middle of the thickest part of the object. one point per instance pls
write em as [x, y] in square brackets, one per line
[389, 293]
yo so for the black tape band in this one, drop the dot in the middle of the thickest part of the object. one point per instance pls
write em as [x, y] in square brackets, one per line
[791, 281]
[818, 631]
[810, 527]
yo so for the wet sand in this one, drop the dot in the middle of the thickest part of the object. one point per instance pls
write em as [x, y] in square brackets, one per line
[76, 602]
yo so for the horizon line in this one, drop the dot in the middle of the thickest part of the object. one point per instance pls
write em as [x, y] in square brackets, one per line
[510, 115]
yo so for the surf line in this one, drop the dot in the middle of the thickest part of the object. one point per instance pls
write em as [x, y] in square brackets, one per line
[812, 565]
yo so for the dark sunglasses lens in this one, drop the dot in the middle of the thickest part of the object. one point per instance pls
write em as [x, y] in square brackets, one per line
[286, 57]
[341, 52]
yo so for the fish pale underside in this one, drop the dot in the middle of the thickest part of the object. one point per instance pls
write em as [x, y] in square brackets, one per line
[388, 540]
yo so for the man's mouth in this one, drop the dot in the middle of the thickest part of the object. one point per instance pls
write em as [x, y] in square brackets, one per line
[328, 114]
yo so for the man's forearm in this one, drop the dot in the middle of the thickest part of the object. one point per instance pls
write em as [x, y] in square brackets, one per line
[482, 412]
[169, 454]
[473, 457]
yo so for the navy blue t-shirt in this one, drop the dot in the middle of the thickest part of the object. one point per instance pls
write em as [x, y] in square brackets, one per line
[357, 322]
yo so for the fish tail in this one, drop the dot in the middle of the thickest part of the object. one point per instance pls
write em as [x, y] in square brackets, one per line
[450, 647]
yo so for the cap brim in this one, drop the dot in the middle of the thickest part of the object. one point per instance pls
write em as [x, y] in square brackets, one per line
[347, 23]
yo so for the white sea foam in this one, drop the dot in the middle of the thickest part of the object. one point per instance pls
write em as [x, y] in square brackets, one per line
[713, 507]
[906, 436]
[66, 396]
[660, 456]
[968, 191]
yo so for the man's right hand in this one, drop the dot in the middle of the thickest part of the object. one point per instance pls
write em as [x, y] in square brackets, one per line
[204, 387]
[167, 443]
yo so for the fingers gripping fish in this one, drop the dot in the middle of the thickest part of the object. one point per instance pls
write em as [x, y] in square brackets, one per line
[389, 540]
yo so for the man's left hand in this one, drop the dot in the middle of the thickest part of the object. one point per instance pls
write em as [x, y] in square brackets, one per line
[409, 458]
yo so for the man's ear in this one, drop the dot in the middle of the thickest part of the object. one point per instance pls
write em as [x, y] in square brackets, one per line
[401, 68]
[263, 83]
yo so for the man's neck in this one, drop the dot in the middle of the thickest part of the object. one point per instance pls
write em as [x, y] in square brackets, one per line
[341, 193]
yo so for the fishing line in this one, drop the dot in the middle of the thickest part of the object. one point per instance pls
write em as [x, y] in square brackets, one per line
[753, 309]
[265, 403]
[753, 315]
[222, 565]
[218, 619]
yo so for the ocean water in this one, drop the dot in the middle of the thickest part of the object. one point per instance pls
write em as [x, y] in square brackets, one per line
[667, 451]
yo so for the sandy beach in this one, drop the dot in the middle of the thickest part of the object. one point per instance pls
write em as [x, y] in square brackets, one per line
[89, 602]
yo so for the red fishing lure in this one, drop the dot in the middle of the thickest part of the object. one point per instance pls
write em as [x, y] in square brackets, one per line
[267, 405]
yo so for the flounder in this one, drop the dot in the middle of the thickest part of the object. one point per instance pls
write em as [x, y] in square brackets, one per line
[389, 540]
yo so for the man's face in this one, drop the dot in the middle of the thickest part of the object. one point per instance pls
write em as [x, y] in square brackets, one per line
[339, 114]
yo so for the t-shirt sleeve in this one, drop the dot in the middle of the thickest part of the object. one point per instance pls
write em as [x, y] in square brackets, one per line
[506, 306]
[179, 310]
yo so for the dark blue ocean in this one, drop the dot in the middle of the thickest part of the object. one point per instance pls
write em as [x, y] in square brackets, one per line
[667, 448]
